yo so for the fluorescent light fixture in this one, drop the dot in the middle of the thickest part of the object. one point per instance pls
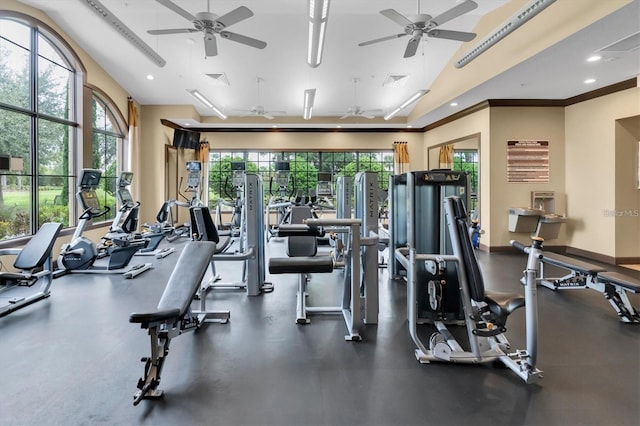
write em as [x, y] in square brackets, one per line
[318, 15]
[309, 98]
[522, 16]
[199, 96]
[120, 27]
[409, 101]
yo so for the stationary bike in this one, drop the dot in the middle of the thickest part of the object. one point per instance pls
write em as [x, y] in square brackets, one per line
[80, 254]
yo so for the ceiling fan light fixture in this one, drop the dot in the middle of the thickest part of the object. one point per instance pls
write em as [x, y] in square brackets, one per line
[309, 98]
[199, 96]
[519, 18]
[318, 15]
[406, 103]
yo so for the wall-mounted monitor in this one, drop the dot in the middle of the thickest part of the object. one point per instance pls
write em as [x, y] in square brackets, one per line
[186, 139]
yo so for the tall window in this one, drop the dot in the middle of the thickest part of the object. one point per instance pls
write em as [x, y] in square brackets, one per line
[304, 168]
[467, 160]
[37, 124]
[106, 148]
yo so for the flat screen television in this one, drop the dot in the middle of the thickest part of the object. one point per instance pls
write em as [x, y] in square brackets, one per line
[186, 139]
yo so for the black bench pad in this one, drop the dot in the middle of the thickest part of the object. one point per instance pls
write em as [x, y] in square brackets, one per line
[300, 265]
[572, 264]
[183, 282]
[625, 281]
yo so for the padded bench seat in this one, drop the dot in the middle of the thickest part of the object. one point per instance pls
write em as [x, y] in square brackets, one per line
[182, 285]
[300, 265]
[572, 264]
[621, 280]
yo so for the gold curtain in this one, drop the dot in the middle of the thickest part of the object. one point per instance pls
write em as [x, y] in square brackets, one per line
[400, 157]
[202, 155]
[446, 157]
[133, 146]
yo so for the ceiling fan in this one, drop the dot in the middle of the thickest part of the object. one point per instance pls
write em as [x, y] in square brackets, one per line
[259, 110]
[211, 24]
[426, 24]
[355, 110]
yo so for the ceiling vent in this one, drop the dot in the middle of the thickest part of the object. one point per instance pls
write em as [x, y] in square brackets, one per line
[219, 79]
[395, 80]
[626, 44]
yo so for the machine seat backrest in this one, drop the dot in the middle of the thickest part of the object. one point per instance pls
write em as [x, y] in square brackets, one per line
[301, 245]
[130, 224]
[39, 247]
[471, 267]
[202, 226]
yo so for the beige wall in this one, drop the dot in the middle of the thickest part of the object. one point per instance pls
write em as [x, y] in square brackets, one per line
[591, 148]
[524, 123]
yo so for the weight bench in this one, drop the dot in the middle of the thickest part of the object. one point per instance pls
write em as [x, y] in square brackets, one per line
[613, 285]
[174, 315]
[34, 264]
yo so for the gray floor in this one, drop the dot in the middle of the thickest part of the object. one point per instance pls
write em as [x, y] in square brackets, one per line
[75, 359]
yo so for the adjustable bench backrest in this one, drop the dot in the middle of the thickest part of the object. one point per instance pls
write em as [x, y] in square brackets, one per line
[301, 245]
[39, 247]
[202, 226]
[469, 260]
[187, 276]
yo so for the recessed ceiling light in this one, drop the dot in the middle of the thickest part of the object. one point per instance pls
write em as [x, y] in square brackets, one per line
[594, 58]
[453, 104]
[338, 126]
[590, 81]
[274, 126]
[409, 126]
[149, 77]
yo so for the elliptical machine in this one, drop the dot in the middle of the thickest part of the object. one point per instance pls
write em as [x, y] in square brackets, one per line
[80, 254]
[128, 229]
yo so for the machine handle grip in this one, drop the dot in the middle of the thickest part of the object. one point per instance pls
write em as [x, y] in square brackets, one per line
[518, 245]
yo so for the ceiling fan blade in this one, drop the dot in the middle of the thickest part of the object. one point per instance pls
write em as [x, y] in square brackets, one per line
[173, 31]
[177, 9]
[452, 35]
[210, 45]
[369, 116]
[258, 44]
[378, 40]
[347, 115]
[412, 47]
[396, 17]
[454, 12]
[235, 16]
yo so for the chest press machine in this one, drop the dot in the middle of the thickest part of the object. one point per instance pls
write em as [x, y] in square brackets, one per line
[174, 315]
[485, 312]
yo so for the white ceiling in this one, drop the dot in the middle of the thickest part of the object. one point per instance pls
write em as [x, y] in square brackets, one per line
[556, 73]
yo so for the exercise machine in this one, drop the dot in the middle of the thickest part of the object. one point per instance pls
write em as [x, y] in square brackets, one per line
[174, 315]
[359, 297]
[251, 250]
[238, 170]
[280, 204]
[581, 275]
[33, 265]
[125, 224]
[80, 254]
[418, 221]
[485, 312]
